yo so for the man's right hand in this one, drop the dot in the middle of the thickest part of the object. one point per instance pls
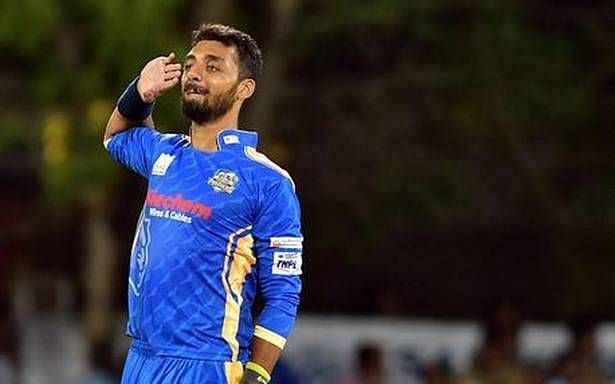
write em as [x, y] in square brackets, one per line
[158, 76]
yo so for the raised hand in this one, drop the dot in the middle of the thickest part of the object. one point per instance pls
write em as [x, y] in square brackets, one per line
[158, 76]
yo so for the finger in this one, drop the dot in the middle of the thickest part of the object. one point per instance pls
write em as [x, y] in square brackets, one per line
[160, 65]
[170, 59]
[172, 74]
[170, 83]
[172, 67]
[160, 62]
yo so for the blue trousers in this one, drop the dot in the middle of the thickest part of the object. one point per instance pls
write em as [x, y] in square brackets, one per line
[142, 367]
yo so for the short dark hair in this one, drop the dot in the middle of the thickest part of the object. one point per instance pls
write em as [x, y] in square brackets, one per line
[249, 54]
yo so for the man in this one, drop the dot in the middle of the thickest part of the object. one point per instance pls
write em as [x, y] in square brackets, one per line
[220, 221]
[369, 366]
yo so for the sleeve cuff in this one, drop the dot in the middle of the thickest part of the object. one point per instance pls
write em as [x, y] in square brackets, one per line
[269, 336]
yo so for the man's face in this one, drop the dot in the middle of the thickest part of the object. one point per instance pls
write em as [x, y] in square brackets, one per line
[209, 81]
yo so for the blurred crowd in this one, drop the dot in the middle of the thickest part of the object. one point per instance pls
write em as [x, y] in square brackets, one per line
[497, 361]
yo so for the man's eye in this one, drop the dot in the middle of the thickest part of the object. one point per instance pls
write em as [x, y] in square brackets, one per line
[212, 68]
[187, 66]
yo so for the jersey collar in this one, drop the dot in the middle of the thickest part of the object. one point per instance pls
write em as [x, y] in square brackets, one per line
[237, 139]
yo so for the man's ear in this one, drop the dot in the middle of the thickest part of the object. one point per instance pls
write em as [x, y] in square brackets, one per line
[246, 89]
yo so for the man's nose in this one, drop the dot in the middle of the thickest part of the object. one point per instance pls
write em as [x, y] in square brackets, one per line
[194, 74]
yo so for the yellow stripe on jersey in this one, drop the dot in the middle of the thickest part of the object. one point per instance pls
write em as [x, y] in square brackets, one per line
[243, 259]
[255, 155]
[269, 336]
[233, 371]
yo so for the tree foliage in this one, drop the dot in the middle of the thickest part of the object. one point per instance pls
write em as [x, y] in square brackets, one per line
[401, 120]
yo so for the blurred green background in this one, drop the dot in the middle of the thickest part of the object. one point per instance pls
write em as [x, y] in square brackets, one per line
[447, 153]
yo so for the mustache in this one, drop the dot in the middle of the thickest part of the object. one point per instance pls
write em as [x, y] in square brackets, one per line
[194, 87]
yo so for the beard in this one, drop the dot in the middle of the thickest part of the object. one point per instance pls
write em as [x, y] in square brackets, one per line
[210, 107]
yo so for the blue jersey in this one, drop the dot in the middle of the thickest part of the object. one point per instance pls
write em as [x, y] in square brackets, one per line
[215, 229]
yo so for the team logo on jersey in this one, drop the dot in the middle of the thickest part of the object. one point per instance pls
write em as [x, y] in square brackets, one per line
[223, 181]
[161, 164]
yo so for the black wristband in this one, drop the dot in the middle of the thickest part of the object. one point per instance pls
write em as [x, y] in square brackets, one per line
[130, 104]
[251, 377]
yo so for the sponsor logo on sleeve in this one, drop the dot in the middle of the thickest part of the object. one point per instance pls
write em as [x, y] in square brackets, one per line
[161, 164]
[287, 263]
[286, 242]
